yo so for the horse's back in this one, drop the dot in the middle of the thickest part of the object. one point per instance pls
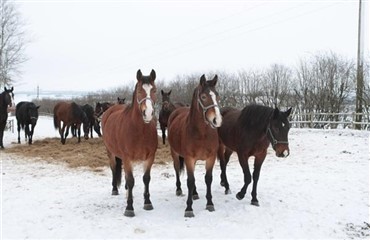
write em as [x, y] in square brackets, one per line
[228, 132]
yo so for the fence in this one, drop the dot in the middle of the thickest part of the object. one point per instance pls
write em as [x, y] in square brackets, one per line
[330, 120]
[299, 120]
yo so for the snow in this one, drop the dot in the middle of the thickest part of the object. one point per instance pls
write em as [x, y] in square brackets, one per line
[320, 191]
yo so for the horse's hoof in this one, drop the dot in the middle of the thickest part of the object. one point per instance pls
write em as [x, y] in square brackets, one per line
[239, 197]
[179, 192]
[222, 184]
[227, 191]
[189, 214]
[129, 213]
[195, 197]
[210, 208]
[148, 206]
[255, 203]
[115, 192]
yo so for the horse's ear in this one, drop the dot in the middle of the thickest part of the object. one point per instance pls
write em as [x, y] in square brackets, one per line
[37, 107]
[169, 93]
[5, 89]
[288, 112]
[203, 80]
[162, 92]
[139, 75]
[152, 75]
[12, 89]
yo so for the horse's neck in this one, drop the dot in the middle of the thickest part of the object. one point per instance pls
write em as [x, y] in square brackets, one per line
[3, 107]
[195, 118]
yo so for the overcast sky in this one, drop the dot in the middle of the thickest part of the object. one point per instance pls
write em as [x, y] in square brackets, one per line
[94, 45]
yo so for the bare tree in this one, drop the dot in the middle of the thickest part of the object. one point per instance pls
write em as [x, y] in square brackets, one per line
[12, 43]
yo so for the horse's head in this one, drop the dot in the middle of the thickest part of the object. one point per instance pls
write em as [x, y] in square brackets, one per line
[166, 100]
[98, 109]
[208, 98]
[121, 100]
[33, 113]
[146, 94]
[277, 132]
[9, 97]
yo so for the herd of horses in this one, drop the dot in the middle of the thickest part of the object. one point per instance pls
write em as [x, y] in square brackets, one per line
[201, 130]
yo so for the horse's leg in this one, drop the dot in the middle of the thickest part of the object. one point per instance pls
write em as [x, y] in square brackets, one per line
[2, 128]
[247, 175]
[27, 132]
[190, 166]
[97, 128]
[146, 179]
[208, 179]
[61, 132]
[256, 174]
[130, 182]
[78, 128]
[163, 128]
[19, 132]
[224, 155]
[31, 134]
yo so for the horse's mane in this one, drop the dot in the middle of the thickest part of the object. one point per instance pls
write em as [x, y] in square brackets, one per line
[255, 117]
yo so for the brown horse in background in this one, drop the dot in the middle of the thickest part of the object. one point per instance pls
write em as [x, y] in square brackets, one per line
[70, 114]
[130, 134]
[100, 108]
[167, 108]
[6, 101]
[192, 135]
[249, 133]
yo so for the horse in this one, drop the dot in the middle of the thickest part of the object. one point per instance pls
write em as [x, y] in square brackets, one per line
[26, 114]
[130, 135]
[69, 114]
[249, 132]
[100, 108]
[167, 108]
[90, 114]
[192, 135]
[6, 100]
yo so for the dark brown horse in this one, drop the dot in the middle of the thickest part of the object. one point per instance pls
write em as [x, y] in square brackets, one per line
[249, 133]
[129, 135]
[192, 135]
[70, 114]
[167, 108]
[27, 114]
[6, 101]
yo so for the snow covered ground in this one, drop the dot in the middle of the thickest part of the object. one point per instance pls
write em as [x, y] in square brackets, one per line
[320, 191]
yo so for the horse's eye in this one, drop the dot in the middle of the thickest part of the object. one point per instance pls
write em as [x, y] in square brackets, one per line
[203, 97]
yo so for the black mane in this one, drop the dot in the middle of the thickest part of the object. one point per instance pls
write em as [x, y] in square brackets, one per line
[255, 118]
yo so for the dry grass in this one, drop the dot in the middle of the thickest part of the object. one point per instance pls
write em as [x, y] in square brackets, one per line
[90, 153]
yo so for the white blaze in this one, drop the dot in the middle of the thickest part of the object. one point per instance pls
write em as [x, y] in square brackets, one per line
[217, 110]
[148, 103]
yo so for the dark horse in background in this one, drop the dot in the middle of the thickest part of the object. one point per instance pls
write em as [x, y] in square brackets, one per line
[6, 101]
[70, 114]
[249, 133]
[93, 123]
[130, 135]
[100, 108]
[192, 134]
[27, 114]
[167, 108]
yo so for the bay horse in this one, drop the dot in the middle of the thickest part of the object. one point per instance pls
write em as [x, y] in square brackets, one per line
[167, 108]
[249, 132]
[6, 101]
[70, 114]
[27, 114]
[130, 135]
[192, 135]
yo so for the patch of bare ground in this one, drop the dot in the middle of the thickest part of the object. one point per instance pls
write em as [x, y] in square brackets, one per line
[89, 153]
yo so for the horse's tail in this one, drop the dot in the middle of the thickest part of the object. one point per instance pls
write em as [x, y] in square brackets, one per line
[182, 165]
[56, 122]
[117, 171]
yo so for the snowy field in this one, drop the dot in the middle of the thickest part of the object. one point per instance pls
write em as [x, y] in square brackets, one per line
[320, 191]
